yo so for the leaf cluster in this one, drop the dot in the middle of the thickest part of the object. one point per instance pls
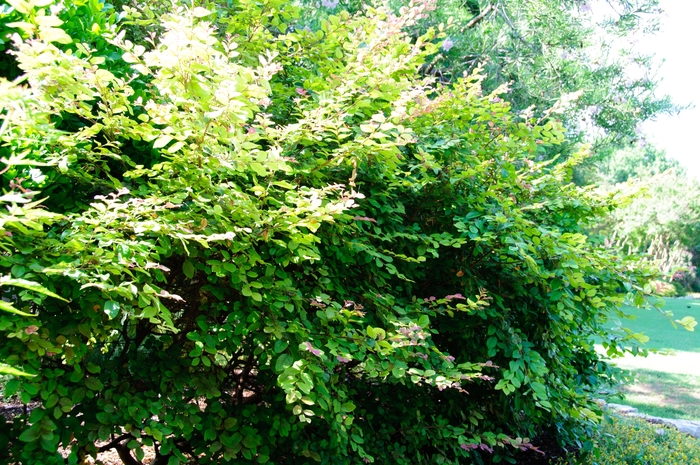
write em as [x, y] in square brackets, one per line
[267, 244]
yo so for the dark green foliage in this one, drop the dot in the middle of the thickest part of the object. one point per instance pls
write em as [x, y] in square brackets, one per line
[288, 246]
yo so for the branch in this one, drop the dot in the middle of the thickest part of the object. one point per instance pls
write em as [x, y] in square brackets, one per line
[113, 444]
[123, 451]
[242, 377]
[477, 19]
[125, 454]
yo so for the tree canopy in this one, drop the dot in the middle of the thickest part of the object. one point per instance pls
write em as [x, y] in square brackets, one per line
[660, 221]
[570, 60]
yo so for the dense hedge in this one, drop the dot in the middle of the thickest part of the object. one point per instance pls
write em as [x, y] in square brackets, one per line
[263, 244]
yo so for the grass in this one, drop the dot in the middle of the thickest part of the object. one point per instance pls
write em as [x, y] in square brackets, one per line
[665, 395]
[666, 385]
[662, 334]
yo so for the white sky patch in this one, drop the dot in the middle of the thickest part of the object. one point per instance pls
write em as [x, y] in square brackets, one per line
[677, 45]
[676, 70]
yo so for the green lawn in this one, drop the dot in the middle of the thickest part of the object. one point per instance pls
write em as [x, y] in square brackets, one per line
[666, 385]
[662, 334]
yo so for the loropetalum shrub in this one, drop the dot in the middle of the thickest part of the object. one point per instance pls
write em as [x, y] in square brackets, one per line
[286, 246]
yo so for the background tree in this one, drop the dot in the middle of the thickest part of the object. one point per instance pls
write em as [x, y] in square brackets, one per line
[661, 220]
[628, 164]
[570, 60]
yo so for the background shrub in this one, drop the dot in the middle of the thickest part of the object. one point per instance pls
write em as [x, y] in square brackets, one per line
[624, 440]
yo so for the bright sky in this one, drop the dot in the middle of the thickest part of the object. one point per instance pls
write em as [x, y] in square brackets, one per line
[677, 45]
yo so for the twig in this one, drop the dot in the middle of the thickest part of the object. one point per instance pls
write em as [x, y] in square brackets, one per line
[477, 19]
[517, 34]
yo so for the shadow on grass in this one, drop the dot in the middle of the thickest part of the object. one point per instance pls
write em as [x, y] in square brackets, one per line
[666, 395]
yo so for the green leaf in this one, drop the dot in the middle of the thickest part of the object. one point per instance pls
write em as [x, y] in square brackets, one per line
[112, 308]
[230, 422]
[8, 370]
[149, 312]
[376, 333]
[93, 368]
[31, 434]
[258, 168]
[31, 389]
[284, 361]
[11, 309]
[398, 372]
[52, 400]
[188, 269]
[280, 346]
[157, 434]
[32, 286]
[103, 432]
[12, 387]
[348, 407]
[93, 384]
[249, 442]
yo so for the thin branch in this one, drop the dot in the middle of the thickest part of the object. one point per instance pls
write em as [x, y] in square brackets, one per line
[517, 34]
[477, 19]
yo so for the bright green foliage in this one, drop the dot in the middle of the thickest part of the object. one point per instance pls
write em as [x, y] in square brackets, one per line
[22, 220]
[286, 246]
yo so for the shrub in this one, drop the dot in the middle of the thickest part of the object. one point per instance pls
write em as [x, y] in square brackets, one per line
[664, 289]
[627, 440]
[287, 246]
